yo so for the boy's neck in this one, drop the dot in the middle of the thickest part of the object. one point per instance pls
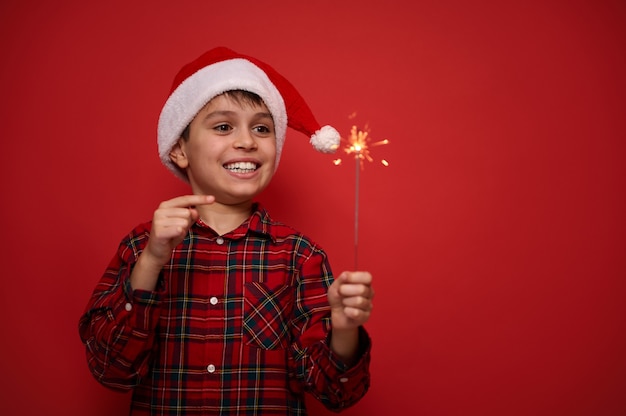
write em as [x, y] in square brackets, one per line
[224, 218]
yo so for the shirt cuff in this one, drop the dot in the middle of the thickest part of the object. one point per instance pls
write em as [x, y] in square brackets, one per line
[138, 308]
[350, 383]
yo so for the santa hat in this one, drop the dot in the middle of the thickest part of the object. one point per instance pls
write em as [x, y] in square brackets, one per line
[220, 70]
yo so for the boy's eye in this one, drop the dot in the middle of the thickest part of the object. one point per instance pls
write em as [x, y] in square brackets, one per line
[222, 127]
[261, 129]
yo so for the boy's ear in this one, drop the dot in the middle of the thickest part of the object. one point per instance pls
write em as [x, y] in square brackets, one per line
[178, 156]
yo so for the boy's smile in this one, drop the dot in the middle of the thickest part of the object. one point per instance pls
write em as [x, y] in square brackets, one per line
[231, 150]
[241, 167]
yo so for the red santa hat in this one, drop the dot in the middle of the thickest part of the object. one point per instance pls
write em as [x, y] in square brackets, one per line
[220, 70]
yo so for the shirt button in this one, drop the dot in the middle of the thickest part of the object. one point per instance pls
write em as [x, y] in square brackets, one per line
[213, 300]
[343, 379]
[219, 240]
[128, 307]
[210, 368]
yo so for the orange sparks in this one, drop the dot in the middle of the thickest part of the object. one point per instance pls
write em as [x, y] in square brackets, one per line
[358, 144]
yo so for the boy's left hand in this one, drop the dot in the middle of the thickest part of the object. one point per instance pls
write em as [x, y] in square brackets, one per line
[350, 298]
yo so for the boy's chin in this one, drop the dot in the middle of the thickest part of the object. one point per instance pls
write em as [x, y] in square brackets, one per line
[237, 199]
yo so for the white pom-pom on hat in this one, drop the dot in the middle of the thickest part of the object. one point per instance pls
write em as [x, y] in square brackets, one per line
[220, 70]
[326, 139]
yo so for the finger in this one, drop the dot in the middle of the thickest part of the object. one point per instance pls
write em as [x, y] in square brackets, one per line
[351, 289]
[358, 302]
[167, 228]
[170, 213]
[172, 222]
[187, 201]
[356, 314]
[356, 277]
[169, 233]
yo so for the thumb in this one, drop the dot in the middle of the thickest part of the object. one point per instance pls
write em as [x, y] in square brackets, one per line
[333, 294]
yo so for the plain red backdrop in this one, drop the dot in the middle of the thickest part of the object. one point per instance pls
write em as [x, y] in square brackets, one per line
[496, 236]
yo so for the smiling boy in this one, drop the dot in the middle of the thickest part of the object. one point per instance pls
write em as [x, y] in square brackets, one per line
[213, 307]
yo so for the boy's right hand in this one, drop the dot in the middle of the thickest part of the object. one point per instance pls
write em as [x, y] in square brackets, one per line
[170, 223]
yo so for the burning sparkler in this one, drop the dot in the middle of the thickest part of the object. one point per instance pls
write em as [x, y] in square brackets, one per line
[358, 145]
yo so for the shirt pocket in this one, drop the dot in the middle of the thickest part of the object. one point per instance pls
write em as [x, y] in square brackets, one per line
[266, 315]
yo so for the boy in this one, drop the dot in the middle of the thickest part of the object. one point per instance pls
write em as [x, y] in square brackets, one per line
[213, 307]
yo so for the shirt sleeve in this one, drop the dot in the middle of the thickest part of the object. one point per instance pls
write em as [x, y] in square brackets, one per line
[118, 326]
[315, 368]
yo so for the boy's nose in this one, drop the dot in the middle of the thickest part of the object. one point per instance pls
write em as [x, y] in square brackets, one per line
[245, 140]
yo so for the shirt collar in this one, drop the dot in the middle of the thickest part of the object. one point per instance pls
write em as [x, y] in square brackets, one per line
[259, 223]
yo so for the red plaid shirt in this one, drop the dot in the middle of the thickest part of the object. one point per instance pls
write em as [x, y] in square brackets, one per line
[238, 325]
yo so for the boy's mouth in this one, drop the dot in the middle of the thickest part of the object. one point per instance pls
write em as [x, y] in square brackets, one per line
[241, 167]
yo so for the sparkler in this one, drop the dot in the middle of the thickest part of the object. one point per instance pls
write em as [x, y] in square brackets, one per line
[358, 145]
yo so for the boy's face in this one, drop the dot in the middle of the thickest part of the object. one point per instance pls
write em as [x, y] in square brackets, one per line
[230, 152]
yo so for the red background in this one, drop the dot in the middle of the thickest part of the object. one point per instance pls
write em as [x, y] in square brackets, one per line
[496, 236]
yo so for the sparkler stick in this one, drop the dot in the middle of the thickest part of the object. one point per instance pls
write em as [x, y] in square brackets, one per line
[356, 209]
[357, 144]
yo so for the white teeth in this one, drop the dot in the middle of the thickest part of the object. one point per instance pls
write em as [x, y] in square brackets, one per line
[241, 167]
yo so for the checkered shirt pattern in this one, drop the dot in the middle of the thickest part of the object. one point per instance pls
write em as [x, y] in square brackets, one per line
[238, 325]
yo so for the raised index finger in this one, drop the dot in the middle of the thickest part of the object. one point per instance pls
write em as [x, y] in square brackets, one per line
[188, 201]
